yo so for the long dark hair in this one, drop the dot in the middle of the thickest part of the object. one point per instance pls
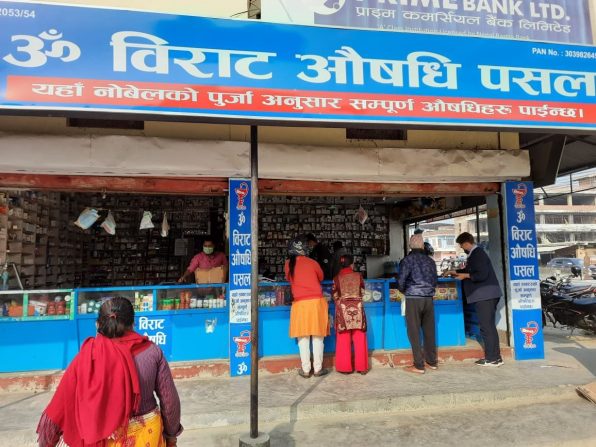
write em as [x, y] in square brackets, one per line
[292, 265]
[116, 316]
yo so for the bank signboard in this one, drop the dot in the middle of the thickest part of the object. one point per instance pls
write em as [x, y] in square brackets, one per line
[67, 58]
[551, 21]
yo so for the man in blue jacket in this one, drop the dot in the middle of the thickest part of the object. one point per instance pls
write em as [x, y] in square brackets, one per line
[417, 280]
[482, 288]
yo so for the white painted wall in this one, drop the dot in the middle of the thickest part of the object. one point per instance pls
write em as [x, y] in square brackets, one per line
[374, 264]
[97, 154]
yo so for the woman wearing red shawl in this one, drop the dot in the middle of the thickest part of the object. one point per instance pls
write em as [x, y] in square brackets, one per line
[350, 319]
[106, 396]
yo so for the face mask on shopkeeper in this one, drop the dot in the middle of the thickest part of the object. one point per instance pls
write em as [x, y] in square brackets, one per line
[208, 250]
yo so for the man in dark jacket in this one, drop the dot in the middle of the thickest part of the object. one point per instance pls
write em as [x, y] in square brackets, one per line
[482, 288]
[321, 254]
[417, 280]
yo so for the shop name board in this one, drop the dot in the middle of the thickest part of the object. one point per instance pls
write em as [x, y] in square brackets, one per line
[552, 21]
[147, 63]
[158, 330]
[240, 227]
[524, 279]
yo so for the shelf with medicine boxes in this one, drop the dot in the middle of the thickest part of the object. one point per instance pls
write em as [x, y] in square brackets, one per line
[329, 219]
[133, 256]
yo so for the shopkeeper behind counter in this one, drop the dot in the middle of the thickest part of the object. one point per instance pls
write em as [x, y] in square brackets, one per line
[206, 260]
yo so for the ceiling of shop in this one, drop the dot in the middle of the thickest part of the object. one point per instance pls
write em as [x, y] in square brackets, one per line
[578, 152]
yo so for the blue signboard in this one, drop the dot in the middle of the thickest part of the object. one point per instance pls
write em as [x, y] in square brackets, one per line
[556, 20]
[158, 329]
[72, 58]
[240, 276]
[524, 280]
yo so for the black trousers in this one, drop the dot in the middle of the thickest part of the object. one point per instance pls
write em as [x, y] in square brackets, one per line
[486, 311]
[420, 313]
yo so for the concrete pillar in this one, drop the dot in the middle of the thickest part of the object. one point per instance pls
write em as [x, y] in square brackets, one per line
[495, 244]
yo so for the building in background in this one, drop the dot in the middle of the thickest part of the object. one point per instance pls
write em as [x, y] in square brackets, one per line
[565, 221]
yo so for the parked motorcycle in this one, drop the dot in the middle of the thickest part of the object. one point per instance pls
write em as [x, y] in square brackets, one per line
[569, 304]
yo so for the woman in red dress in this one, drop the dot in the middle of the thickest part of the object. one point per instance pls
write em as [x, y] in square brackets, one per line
[350, 319]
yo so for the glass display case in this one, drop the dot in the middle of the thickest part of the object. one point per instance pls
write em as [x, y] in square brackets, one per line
[90, 300]
[208, 296]
[447, 290]
[36, 304]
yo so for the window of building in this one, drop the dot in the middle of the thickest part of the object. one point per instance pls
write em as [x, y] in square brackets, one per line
[584, 218]
[583, 199]
[553, 238]
[586, 236]
[558, 200]
[556, 219]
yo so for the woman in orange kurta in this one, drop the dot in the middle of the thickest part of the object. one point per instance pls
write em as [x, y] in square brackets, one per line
[350, 319]
[309, 317]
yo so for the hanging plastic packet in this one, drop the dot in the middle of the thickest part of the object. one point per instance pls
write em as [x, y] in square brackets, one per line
[165, 226]
[146, 222]
[361, 215]
[109, 224]
[87, 218]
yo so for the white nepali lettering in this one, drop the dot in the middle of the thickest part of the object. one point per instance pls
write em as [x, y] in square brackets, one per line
[520, 235]
[544, 26]
[241, 258]
[387, 105]
[240, 239]
[241, 279]
[64, 91]
[441, 106]
[527, 252]
[524, 271]
[375, 12]
[157, 50]
[492, 20]
[449, 17]
[158, 338]
[565, 83]
[38, 54]
[546, 110]
[301, 102]
[437, 70]
[149, 324]
[129, 91]
[222, 99]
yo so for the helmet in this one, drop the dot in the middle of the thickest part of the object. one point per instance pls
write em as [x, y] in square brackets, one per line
[298, 246]
[428, 249]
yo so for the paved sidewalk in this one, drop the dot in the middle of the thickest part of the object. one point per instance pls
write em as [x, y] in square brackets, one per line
[288, 398]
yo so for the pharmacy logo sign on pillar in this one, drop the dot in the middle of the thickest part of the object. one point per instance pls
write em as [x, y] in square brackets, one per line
[524, 280]
[240, 276]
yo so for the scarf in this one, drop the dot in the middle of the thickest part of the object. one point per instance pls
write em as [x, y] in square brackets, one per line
[99, 391]
[349, 308]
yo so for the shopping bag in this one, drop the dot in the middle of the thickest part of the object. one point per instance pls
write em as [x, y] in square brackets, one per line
[87, 218]
[146, 222]
[109, 224]
[165, 226]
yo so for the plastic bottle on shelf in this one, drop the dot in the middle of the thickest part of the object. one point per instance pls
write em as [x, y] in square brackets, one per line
[147, 303]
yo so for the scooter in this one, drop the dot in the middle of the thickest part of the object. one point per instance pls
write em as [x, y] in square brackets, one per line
[569, 305]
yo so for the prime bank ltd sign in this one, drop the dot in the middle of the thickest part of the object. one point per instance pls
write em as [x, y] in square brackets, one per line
[540, 20]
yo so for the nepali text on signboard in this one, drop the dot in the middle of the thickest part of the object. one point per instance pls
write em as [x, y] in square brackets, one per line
[524, 282]
[75, 58]
[240, 227]
[551, 21]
